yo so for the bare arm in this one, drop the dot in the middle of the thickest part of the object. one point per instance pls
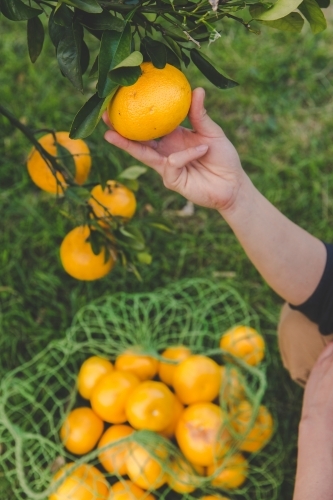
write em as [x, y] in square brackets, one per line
[203, 166]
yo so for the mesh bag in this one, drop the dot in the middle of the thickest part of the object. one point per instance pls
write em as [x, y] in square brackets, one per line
[37, 396]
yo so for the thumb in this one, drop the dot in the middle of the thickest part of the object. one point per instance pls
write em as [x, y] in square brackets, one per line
[199, 118]
[174, 166]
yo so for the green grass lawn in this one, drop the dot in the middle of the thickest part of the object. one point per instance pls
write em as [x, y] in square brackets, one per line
[280, 119]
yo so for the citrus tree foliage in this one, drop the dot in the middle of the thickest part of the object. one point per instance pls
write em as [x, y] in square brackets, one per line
[132, 31]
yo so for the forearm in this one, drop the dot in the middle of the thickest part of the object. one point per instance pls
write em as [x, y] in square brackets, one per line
[314, 477]
[290, 259]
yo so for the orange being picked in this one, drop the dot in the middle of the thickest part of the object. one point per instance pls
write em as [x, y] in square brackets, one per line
[201, 433]
[143, 366]
[244, 342]
[78, 258]
[150, 406]
[126, 490]
[183, 477]
[170, 430]
[110, 395]
[84, 483]
[115, 200]
[114, 458]
[176, 354]
[154, 106]
[232, 390]
[231, 472]
[42, 175]
[253, 437]
[197, 379]
[144, 469]
[81, 430]
[91, 370]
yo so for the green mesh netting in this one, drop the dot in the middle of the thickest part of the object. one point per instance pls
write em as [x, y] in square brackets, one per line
[36, 397]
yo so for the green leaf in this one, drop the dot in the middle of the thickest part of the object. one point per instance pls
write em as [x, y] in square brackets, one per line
[65, 158]
[88, 116]
[101, 22]
[281, 8]
[134, 59]
[162, 227]
[96, 242]
[186, 59]
[94, 69]
[313, 14]
[206, 66]
[90, 6]
[15, 10]
[323, 4]
[56, 31]
[35, 33]
[69, 55]
[144, 258]
[85, 58]
[63, 16]
[156, 51]
[132, 172]
[292, 22]
[125, 76]
[174, 46]
[115, 47]
[132, 184]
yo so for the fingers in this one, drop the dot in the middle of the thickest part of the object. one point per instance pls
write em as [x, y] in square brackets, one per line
[176, 162]
[199, 118]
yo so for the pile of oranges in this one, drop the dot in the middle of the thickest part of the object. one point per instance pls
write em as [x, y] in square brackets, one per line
[114, 200]
[176, 397]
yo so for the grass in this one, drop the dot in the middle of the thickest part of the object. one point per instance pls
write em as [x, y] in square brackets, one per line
[279, 118]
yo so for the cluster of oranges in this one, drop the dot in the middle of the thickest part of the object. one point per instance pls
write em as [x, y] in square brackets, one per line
[176, 397]
[114, 200]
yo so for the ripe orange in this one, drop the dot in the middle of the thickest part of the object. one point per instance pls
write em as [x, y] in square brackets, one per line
[84, 483]
[144, 367]
[175, 353]
[91, 370]
[81, 430]
[234, 469]
[197, 379]
[170, 430]
[150, 406]
[232, 390]
[40, 172]
[201, 434]
[114, 458]
[78, 258]
[117, 201]
[256, 437]
[126, 490]
[244, 342]
[110, 394]
[144, 469]
[184, 478]
[154, 106]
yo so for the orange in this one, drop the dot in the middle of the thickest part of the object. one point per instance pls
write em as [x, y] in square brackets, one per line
[154, 106]
[260, 432]
[126, 490]
[183, 477]
[175, 353]
[201, 434]
[144, 469]
[244, 342]
[91, 370]
[110, 394]
[233, 473]
[150, 406]
[232, 390]
[197, 379]
[114, 200]
[170, 430]
[78, 258]
[84, 483]
[144, 367]
[42, 175]
[81, 430]
[114, 458]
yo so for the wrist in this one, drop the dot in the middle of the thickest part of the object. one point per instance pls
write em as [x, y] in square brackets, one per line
[241, 202]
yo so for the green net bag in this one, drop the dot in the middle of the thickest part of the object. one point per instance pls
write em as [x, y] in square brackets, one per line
[37, 397]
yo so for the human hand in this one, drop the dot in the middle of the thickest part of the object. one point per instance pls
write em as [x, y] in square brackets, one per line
[200, 164]
[318, 394]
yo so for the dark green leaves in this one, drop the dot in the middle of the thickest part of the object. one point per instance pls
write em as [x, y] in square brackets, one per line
[279, 9]
[101, 22]
[312, 13]
[35, 35]
[90, 6]
[69, 54]
[156, 51]
[132, 173]
[323, 4]
[293, 23]
[15, 10]
[206, 66]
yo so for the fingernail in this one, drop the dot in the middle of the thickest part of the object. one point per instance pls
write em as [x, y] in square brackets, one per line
[202, 147]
